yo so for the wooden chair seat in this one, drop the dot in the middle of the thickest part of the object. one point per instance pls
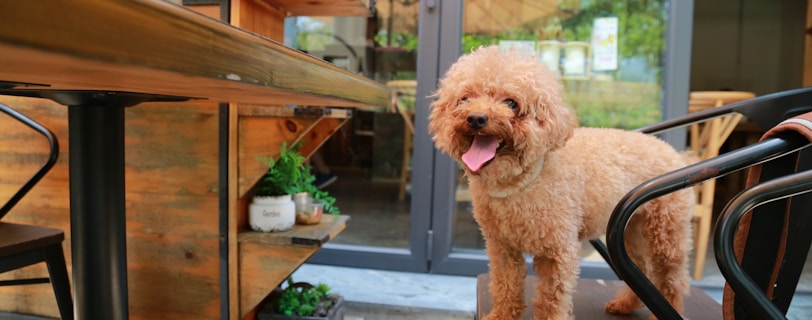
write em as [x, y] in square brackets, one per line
[23, 245]
[590, 297]
[17, 238]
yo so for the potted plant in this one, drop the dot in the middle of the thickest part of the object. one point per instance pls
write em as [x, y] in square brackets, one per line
[273, 208]
[303, 301]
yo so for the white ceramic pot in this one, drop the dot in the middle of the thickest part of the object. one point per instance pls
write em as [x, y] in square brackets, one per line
[269, 214]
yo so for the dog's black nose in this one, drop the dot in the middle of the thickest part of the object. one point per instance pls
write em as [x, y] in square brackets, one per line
[477, 120]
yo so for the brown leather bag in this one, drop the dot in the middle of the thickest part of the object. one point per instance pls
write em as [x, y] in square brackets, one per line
[761, 244]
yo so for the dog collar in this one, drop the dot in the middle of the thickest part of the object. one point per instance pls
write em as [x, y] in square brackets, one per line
[524, 183]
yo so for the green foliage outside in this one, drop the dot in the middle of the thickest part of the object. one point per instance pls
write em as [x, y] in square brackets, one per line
[305, 300]
[641, 35]
[641, 29]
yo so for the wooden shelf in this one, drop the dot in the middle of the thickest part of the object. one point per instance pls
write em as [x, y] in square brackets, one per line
[308, 235]
[267, 259]
[297, 112]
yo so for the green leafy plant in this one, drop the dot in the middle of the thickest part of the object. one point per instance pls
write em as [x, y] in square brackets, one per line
[285, 175]
[289, 175]
[304, 299]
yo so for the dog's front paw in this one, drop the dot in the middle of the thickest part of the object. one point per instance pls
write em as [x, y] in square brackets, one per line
[497, 315]
[494, 316]
[621, 306]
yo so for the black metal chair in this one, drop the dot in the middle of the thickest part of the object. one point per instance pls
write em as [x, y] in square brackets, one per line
[780, 156]
[23, 245]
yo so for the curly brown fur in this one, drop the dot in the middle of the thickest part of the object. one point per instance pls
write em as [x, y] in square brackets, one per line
[551, 185]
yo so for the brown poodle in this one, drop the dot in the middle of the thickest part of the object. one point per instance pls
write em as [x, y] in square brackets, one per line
[541, 186]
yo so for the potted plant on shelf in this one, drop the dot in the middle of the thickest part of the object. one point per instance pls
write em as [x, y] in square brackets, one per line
[273, 208]
[303, 301]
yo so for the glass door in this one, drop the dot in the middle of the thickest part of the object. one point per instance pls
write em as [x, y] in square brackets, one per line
[373, 160]
[623, 63]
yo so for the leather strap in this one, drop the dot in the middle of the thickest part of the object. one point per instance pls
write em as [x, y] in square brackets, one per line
[772, 231]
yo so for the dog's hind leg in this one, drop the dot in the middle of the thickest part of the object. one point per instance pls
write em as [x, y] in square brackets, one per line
[558, 276]
[626, 300]
[667, 232]
[508, 271]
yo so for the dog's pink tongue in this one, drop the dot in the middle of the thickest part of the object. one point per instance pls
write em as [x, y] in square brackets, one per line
[482, 150]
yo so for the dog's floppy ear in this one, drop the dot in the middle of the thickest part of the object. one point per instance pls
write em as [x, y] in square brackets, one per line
[555, 118]
[445, 99]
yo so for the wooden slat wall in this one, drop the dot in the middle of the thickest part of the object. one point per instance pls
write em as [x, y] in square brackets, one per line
[172, 210]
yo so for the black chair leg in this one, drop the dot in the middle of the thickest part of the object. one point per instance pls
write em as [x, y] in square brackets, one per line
[55, 259]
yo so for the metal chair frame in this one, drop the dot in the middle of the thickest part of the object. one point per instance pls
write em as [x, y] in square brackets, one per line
[39, 244]
[766, 111]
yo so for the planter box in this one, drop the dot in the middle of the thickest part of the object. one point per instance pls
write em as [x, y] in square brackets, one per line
[336, 313]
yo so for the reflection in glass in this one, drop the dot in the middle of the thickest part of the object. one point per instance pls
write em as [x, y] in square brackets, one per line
[371, 154]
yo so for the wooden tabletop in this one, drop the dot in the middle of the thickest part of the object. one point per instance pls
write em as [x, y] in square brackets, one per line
[157, 47]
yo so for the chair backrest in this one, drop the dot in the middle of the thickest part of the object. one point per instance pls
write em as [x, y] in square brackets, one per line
[46, 166]
[767, 111]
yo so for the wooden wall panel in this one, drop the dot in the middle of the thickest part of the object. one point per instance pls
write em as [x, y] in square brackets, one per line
[172, 210]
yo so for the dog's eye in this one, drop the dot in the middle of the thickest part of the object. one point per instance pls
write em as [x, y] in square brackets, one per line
[511, 104]
[464, 99]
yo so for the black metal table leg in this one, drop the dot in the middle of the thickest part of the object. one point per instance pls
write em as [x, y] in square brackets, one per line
[98, 221]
